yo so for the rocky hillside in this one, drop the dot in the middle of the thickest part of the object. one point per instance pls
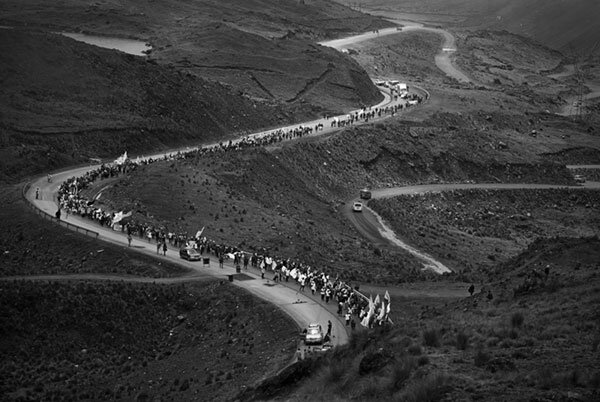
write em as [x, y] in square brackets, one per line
[563, 25]
[524, 335]
[63, 102]
[262, 48]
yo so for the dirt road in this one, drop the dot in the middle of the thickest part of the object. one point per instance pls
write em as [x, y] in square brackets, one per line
[301, 307]
[374, 228]
[442, 59]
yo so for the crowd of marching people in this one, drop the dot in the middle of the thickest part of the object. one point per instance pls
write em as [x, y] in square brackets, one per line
[351, 304]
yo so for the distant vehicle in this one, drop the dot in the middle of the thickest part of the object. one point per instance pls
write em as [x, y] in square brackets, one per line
[190, 254]
[314, 335]
[365, 194]
[579, 178]
[380, 83]
[357, 207]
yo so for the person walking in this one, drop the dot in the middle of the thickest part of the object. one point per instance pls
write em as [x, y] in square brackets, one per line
[129, 239]
[329, 328]
[37, 193]
[164, 247]
[221, 259]
[158, 246]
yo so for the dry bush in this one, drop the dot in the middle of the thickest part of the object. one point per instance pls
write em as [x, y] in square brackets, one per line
[431, 337]
[423, 360]
[359, 340]
[429, 389]
[462, 340]
[481, 357]
[517, 319]
[415, 350]
[401, 371]
[334, 373]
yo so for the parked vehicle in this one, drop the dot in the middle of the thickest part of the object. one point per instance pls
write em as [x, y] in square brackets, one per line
[314, 335]
[579, 178]
[357, 207]
[190, 254]
[365, 194]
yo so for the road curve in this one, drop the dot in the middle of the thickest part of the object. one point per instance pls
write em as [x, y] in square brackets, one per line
[374, 228]
[442, 59]
[302, 308]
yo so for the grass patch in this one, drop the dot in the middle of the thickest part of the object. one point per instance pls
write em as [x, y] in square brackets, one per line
[401, 371]
[462, 340]
[431, 337]
[481, 357]
[517, 319]
[429, 389]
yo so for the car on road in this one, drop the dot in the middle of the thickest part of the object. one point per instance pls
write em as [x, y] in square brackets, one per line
[314, 335]
[365, 194]
[579, 178]
[190, 254]
[357, 207]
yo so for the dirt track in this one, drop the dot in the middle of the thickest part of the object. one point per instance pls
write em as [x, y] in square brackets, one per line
[442, 59]
[374, 228]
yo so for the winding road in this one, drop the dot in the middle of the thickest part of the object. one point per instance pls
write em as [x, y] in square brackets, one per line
[302, 307]
[373, 227]
[442, 59]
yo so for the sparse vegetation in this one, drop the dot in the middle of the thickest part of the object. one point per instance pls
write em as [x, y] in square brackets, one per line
[462, 340]
[517, 319]
[432, 388]
[431, 337]
[95, 340]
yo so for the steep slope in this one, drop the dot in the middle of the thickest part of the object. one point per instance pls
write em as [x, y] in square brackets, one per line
[261, 47]
[564, 25]
[63, 101]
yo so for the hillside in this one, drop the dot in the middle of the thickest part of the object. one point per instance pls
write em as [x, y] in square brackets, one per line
[262, 48]
[562, 25]
[309, 180]
[57, 91]
[523, 335]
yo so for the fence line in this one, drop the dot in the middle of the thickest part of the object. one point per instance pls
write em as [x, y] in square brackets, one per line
[53, 219]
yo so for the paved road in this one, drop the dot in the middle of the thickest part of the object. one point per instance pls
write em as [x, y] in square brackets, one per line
[374, 228]
[442, 59]
[301, 307]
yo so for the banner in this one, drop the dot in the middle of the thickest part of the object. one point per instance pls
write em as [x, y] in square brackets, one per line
[121, 159]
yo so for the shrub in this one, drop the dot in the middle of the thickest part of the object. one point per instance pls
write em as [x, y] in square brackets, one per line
[594, 380]
[375, 361]
[431, 337]
[481, 358]
[517, 319]
[401, 372]
[595, 343]
[359, 340]
[462, 340]
[334, 373]
[429, 389]
[415, 350]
